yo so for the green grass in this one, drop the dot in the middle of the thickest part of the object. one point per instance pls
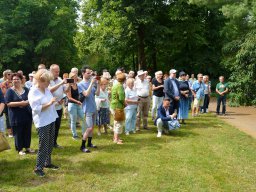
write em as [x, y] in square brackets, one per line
[204, 155]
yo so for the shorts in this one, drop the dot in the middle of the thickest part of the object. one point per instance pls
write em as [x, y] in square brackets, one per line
[198, 102]
[90, 119]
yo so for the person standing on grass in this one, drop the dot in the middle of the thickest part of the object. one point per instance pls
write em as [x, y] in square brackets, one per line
[2, 104]
[75, 106]
[118, 105]
[102, 102]
[198, 93]
[171, 90]
[184, 98]
[165, 113]
[207, 93]
[43, 103]
[158, 92]
[6, 84]
[58, 90]
[20, 114]
[142, 87]
[222, 91]
[88, 88]
[131, 100]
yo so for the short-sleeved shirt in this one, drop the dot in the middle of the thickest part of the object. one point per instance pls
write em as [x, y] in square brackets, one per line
[59, 93]
[89, 105]
[29, 84]
[131, 94]
[159, 92]
[199, 89]
[222, 86]
[103, 95]
[142, 87]
[184, 86]
[18, 115]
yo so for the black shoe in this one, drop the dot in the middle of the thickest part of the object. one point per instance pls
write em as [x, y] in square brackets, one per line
[84, 150]
[146, 128]
[51, 166]
[39, 173]
[92, 146]
[58, 146]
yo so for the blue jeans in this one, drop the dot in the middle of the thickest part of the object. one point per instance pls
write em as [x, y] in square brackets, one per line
[130, 119]
[75, 111]
[221, 99]
[2, 128]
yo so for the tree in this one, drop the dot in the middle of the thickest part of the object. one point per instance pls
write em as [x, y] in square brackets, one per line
[37, 31]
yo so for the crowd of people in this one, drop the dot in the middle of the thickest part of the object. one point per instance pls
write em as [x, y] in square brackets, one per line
[92, 100]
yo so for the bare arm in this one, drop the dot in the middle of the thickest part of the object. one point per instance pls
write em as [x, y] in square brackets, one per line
[18, 104]
[1, 107]
[55, 87]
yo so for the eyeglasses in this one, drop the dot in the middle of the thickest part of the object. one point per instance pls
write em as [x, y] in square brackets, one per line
[200, 77]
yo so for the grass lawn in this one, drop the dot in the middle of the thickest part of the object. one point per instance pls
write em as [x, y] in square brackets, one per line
[206, 154]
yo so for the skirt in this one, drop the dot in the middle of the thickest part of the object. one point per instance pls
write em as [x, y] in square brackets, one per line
[183, 108]
[103, 116]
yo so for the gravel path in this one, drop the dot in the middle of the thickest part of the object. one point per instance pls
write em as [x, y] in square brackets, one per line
[243, 118]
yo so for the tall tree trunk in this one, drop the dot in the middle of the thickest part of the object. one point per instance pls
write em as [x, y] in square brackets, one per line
[141, 48]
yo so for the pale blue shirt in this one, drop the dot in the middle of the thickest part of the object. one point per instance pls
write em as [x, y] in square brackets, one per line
[89, 104]
[199, 89]
[176, 90]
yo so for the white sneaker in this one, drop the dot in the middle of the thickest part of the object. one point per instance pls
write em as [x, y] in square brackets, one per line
[207, 111]
[127, 133]
[134, 131]
[159, 134]
[22, 153]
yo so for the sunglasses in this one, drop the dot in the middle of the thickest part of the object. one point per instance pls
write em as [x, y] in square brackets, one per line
[9, 74]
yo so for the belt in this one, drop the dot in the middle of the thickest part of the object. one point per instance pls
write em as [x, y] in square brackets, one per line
[143, 97]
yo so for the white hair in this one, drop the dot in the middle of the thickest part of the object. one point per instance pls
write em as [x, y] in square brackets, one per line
[158, 73]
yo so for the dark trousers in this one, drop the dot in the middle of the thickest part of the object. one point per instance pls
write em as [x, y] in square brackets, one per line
[57, 125]
[22, 135]
[46, 141]
[221, 99]
[175, 106]
[206, 103]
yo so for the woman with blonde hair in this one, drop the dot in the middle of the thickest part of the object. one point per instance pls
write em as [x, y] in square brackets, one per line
[132, 100]
[102, 102]
[43, 103]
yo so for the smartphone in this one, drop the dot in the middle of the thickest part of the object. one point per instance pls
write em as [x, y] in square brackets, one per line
[70, 80]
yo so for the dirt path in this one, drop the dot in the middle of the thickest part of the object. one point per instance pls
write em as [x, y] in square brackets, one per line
[243, 118]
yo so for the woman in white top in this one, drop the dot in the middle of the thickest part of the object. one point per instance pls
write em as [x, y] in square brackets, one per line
[131, 99]
[102, 103]
[44, 115]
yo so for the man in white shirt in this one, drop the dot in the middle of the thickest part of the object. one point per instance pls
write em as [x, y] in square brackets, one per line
[142, 88]
[29, 83]
[58, 90]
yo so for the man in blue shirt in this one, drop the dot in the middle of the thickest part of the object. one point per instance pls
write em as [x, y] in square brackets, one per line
[87, 88]
[198, 93]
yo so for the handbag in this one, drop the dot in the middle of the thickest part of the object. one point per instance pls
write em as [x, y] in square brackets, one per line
[173, 124]
[119, 115]
[4, 145]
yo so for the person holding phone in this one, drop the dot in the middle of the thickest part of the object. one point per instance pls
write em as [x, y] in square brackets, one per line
[74, 105]
[88, 90]
[43, 103]
[58, 90]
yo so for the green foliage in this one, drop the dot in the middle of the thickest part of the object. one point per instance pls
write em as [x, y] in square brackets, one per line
[37, 31]
[151, 35]
[240, 50]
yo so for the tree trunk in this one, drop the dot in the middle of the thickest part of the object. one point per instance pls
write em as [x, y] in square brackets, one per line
[141, 48]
